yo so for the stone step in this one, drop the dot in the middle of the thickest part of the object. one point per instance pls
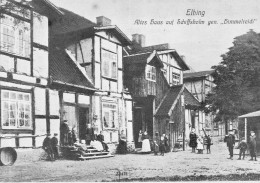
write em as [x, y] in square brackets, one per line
[95, 154]
[95, 157]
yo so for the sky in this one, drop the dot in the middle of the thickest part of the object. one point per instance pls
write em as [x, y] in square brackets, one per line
[201, 44]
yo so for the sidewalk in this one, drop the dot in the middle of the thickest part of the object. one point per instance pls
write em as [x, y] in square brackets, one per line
[133, 166]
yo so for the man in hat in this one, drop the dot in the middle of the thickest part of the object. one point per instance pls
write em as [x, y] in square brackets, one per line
[64, 130]
[54, 145]
[252, 146]
[47, 146]
[230, 140]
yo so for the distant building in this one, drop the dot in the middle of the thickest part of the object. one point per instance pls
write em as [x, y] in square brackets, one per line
[200, 84]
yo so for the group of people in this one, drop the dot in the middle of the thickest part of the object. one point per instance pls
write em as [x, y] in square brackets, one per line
[50, 145]
[243, 146]
[197, 142]
[161, 144]
[68, 135]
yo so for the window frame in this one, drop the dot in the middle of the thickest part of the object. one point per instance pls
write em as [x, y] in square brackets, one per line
[25, 43]
[176, 78]
[17, 103]
[150, 72]
[112, 71]
[113, 112]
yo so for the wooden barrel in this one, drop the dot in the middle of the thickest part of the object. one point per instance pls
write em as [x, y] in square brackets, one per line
[8, 156]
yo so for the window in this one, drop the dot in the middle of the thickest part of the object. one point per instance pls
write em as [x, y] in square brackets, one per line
[15, 109]
[15, 36]
[109, 117]
[109, 64]
[150, 73]
[175, 79]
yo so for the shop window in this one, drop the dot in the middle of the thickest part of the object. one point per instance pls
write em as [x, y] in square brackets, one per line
[15, 36]
[150, 73]
[109, 64]
[15, 110]
[109, 115]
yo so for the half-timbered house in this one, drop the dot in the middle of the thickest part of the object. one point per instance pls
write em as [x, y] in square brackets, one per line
[29, 109]
[160, 99]
[97, 97]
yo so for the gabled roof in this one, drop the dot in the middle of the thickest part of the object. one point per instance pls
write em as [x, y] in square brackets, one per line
[72, 23]
[250, 115]
[171, 98]
[144, 58]
[169, 101]
[160, 48]
[197, 74]
[190, 100]
[138, 49]
[63, 70]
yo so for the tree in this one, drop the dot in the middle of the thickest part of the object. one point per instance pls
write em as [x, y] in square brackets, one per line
[237, 79]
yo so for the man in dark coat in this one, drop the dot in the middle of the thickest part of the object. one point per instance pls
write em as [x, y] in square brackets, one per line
[47, 146]
[54, 145]
[89, 134]
[252, 146]
[64, 131]
[230, 140]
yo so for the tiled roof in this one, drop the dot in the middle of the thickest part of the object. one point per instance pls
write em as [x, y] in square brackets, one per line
[64, 70]
[138, 49]
[169, 101]
[138, 58]
[189, 99]
[70, 22]
[197, 74]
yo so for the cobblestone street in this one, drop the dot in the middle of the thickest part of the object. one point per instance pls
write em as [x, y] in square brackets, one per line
[132, 166]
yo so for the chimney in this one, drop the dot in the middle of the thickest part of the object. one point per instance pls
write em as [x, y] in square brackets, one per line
[183, 57]
[103, 21]
[139, 39]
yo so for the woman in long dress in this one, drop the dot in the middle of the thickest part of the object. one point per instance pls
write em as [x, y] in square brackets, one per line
[146, 143]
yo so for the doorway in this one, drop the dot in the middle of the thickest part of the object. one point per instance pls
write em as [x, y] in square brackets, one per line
[83, 121]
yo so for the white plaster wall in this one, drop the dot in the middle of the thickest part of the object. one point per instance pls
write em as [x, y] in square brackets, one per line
[40, 63]
[40, 129]
[25, 142]
[54, 102]
[40, 29]
[40, 101]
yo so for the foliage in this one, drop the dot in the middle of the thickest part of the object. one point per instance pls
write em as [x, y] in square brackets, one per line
[237, 79]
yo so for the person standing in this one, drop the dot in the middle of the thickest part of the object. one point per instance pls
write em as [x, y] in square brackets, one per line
[252, 146]
[89, 134]
[54, 145]
[156, 143]
[200, 145]
[242, 148]
[146, 143]
[140, 136]
[122, 146]
[230, 140]
[162, 146]
[100, 138]
[193, 140]
[47, 146]
[64, 129]
[208, 143]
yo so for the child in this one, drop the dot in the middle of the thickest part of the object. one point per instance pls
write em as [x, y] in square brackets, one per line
[242, 146]
[200, 145]
[208, 143]
[162, 145]
[54, 144]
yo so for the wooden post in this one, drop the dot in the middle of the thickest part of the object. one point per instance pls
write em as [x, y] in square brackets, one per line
[246, 129]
